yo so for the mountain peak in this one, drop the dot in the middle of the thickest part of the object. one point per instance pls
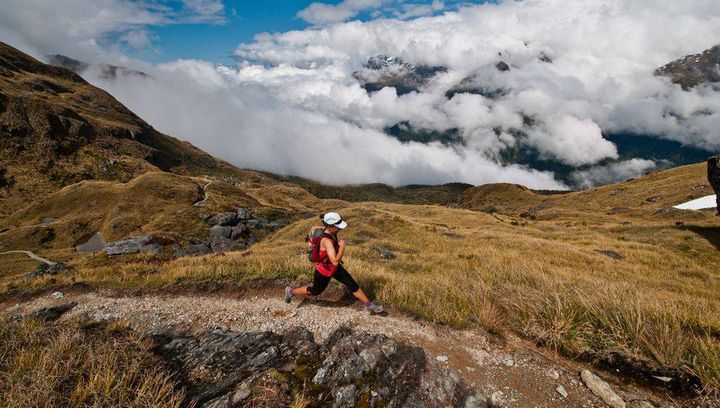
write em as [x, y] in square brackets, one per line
[693, 70]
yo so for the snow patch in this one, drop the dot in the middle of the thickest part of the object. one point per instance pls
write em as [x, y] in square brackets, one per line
[698, 204]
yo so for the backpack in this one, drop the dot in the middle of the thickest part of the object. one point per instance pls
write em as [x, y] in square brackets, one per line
[314, 237]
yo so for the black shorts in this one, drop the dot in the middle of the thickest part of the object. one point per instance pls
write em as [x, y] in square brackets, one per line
[321, 281]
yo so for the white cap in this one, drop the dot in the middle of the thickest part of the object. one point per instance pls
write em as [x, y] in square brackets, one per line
[335, 220]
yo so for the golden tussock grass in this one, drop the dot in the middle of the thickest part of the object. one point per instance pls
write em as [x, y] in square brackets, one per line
[543, 279]
[73, 366]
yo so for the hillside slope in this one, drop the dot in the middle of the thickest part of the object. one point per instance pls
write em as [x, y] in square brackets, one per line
[56, 129]
[655, 191]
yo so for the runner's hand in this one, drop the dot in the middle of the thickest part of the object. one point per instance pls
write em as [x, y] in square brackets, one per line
[342, 243]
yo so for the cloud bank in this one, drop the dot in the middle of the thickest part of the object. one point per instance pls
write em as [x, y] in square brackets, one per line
[578, 70]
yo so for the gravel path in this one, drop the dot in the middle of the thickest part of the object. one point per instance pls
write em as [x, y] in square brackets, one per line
[205, 196]
[31, 255]
[514, 374]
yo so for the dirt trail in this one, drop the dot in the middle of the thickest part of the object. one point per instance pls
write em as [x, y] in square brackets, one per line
[31, 255]
[205, 196]
[513, 374]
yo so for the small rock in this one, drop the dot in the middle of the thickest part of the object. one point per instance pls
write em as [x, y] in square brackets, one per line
[553, 374]
[442, 358]
[502, 66]
[561, 390]
[610, 254]
[497, 399]
[663, 379]
[509, 362]
[57, 295]
[48, 220]
[385, 253]
[324, 334]
[345, 396]
[602, 389]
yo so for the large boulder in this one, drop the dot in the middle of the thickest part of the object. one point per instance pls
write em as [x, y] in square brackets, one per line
[133, 246]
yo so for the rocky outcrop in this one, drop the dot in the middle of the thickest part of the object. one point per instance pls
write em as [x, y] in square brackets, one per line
[222, 368]
[230, 231]
[713, 169]
[227, 231]
[46, 269]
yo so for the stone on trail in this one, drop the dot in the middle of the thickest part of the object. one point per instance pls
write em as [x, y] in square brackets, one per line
[602, 389]
[57, 295]
[442, 358]
[561, 390]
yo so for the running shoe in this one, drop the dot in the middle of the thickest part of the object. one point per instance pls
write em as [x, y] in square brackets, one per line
[288, 294]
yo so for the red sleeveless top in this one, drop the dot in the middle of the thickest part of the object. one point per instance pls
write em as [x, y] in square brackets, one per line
[325, 267]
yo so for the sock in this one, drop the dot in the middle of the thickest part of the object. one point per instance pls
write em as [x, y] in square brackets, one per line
[368, 303]
[292, 292]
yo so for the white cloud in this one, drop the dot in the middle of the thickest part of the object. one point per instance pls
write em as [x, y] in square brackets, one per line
[86, 29]
[293, 95]
[601, 79]
[241, 122]
[573, 141]
[204, 11]
[612, 172]
[140, 38]
[322, 13]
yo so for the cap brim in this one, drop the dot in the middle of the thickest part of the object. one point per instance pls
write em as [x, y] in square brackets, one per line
[342, 225]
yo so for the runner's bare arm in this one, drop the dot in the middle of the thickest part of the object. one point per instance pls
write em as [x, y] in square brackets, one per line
[335, 257]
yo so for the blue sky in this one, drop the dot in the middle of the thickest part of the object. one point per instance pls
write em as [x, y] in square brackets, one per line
[242, 20]
[216, 42]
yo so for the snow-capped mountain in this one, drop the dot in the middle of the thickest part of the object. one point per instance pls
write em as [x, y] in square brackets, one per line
[693, 70]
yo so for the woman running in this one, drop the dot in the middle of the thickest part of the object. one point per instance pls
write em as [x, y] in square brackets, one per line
[331, 253]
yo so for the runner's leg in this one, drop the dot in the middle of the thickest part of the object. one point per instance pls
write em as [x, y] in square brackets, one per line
[320, 282]
[344, 277]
